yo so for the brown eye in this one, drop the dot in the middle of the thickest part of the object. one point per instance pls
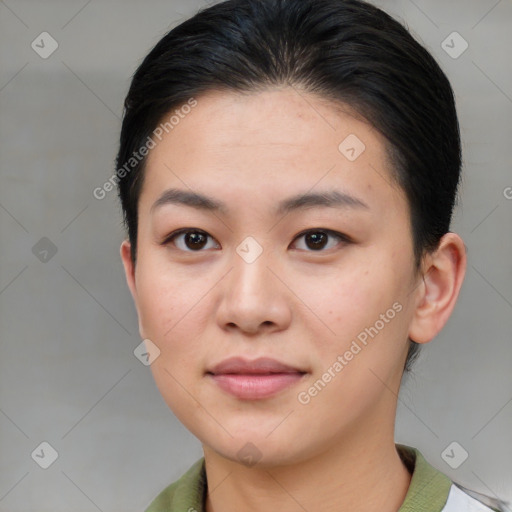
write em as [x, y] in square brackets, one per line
[316, 240]
[189, 240]
[319, 239]
[195, 240]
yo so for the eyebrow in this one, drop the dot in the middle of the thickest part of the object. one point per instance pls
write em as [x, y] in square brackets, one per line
[328, 198]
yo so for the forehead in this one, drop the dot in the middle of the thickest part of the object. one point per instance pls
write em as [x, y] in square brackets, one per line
[274, 117]
[271, 144]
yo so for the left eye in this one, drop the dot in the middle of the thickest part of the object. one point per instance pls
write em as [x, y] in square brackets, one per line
[317, 239]
[194, 240]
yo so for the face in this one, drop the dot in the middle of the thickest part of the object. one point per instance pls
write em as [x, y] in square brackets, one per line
[321, 284]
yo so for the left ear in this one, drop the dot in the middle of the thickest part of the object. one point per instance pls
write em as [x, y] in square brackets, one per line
[442, 274]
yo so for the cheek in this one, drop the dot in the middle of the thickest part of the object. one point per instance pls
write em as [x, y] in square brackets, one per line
[172, 315]
[173, 309]
[350, 298]
[361, 313]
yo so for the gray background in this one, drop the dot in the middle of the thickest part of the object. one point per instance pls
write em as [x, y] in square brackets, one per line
[68, 327]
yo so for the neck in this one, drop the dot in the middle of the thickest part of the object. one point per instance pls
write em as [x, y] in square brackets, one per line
[363, 471]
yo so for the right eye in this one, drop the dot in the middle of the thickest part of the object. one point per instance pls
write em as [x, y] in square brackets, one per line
[188, 239]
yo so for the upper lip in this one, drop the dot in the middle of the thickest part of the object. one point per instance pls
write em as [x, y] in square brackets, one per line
[262, 365]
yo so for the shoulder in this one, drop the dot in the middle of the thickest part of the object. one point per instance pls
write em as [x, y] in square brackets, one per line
[461, 498]
[431, 490]
[185, 494]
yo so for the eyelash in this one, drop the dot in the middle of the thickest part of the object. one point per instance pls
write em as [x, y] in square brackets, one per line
[340, 236]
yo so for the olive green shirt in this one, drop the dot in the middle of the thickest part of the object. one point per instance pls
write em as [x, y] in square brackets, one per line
[429, 490]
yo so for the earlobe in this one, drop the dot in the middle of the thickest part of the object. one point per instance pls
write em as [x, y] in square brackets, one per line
[437, 294]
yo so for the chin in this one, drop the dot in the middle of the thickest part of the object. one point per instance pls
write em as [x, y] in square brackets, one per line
[255, 448]
[256, 453]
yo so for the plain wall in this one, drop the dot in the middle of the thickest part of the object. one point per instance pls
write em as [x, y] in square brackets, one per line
[68, 375]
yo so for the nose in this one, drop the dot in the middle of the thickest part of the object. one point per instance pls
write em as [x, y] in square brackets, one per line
[253, 299]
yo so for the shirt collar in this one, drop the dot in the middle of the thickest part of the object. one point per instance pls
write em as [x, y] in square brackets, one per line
[428, 490]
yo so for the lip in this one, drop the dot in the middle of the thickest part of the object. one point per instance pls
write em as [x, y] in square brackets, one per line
[261, 365]
[256, 379]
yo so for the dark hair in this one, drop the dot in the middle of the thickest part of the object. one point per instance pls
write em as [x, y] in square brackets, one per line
[347, 51]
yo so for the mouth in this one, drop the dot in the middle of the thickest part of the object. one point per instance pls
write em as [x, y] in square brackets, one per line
[254, 380]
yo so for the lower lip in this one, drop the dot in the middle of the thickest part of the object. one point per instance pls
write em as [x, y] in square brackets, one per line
[254, 387]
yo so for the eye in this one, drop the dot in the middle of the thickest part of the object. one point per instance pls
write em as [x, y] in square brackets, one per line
[188, 239]
[318, 239]
[194, 240]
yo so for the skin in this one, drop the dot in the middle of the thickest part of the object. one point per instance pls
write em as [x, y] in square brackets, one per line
[299, 305]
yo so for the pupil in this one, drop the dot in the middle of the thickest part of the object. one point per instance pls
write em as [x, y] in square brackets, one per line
[196, 239]
[318, 239]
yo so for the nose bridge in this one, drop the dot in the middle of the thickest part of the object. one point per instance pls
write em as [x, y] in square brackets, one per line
[250, 275]
[251, 295]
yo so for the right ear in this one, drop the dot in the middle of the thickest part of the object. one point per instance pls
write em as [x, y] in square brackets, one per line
[129, 270]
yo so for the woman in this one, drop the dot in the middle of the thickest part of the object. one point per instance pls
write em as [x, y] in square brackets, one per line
[287, 172]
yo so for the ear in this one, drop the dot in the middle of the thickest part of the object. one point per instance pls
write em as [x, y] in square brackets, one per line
[442, 276]
[129, 270]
